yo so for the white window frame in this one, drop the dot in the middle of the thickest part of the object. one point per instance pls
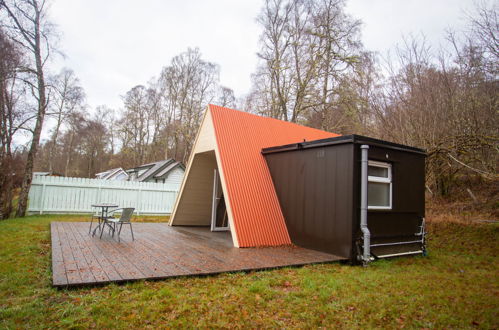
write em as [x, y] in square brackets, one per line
[380, 179]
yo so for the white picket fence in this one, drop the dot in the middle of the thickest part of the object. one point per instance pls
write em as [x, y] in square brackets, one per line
[51, 194]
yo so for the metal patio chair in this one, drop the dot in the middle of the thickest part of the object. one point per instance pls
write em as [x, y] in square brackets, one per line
[95, 215]
[124, 219]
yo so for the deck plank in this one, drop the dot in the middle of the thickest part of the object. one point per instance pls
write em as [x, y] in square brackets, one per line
[92, 259]
[70, 264]
[186, 255]
[117, 257]
[136, 258]
[159, 259]
[159, 251]
[93, 246]
[83, 267]
[59, 276]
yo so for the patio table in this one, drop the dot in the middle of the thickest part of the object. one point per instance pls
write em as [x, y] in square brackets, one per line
[104, 210]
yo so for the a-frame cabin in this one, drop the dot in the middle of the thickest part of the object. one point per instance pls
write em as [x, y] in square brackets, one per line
[228, 186]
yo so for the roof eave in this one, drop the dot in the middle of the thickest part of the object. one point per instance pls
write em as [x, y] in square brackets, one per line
[356, 139]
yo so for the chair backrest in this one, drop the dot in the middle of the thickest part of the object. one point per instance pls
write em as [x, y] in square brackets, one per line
[126, 214]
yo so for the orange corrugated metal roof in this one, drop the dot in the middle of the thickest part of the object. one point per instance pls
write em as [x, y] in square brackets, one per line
[240, 137]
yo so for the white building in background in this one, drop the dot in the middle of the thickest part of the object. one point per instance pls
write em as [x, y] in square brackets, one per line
[113, 174]
[164, 171]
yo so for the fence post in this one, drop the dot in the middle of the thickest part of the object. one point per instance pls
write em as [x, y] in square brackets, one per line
[139, 196]
[99, 193]
[42, 198]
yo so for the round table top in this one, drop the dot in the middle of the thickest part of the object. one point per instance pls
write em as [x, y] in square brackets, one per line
[104, 205]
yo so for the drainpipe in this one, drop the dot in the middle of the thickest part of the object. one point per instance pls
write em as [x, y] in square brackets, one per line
[366, 257]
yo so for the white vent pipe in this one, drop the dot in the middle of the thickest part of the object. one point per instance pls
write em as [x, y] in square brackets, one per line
[366, 257]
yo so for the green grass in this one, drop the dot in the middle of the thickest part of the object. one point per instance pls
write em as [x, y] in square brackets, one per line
[456, 286]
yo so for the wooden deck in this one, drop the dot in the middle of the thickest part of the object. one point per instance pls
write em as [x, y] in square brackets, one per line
[159, 251]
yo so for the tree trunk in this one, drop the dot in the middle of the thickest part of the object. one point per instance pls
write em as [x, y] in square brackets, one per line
[68, 158]
[6, 193]
[54, 141]
[28, 172]
[42, 106]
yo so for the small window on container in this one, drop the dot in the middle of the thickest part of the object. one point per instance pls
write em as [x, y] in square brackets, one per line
[379, 188]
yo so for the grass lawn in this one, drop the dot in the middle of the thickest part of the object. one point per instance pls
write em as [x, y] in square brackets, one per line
[456, 286]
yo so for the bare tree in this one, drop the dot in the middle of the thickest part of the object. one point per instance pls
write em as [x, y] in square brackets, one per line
[445, 105]
[226, 97]
[189, 84]
[68, 97]
[485, 28]
[12, 118]
[350, 106]
[70, 139]
[305, 47]
[274, 72]
[313, 70]
[157, 149]
[85, 144]
[110, 121]
[27, 26]
[94, 141]
[136, 124]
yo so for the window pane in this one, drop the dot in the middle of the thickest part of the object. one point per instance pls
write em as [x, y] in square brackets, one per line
[377, 171]
[378, 194]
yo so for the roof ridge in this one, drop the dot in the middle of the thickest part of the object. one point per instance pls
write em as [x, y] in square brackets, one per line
[262, 117]
[158, 166]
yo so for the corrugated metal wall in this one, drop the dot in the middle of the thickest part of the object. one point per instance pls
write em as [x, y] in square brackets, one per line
[240, 136]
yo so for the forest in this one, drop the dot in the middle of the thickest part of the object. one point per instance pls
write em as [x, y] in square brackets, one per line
[312, 70]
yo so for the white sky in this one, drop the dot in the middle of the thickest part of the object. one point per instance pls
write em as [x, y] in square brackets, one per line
[113, 45]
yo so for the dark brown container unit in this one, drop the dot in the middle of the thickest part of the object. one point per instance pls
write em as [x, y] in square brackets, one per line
[319, 187]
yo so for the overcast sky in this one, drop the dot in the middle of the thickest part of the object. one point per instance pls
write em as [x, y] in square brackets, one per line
[113, 45]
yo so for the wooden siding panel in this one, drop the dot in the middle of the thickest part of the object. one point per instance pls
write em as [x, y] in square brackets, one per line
[186, 204]
[194, 203]
[175, 177]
